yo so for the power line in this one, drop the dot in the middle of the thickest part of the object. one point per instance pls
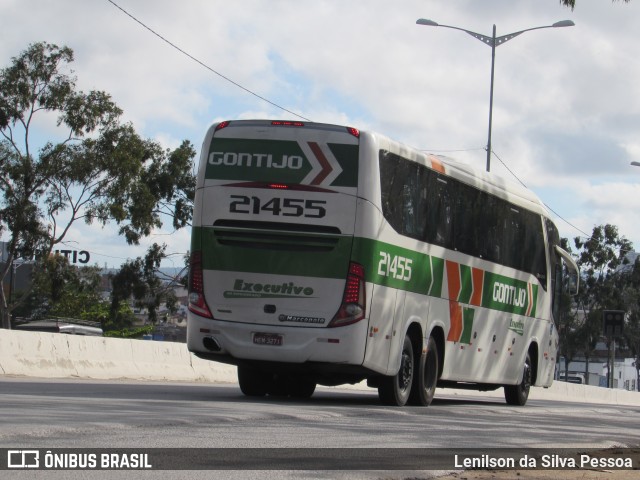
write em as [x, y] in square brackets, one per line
[587, 235]
[251, 92]
[545, 204]
[509, 170]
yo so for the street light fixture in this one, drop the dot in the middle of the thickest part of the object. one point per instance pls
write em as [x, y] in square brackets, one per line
[493, 42]
[635, 164]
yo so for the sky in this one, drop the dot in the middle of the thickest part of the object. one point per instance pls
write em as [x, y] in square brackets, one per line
[566, 111]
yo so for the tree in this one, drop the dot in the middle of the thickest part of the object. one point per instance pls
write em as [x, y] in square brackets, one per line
[99, 170]
[600, 259]
[60, 289]
[139, 279]
[632, 327]
[572, 3]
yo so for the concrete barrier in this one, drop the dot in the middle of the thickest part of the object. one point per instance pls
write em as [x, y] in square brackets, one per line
[55, 355]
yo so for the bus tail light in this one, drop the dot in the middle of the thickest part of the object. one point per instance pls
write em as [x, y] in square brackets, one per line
[354, 131]
[352, 309]
[286, 123]
[222, 125]
[197, 303]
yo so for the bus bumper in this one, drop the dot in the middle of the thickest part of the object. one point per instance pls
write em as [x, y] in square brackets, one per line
[246, 341]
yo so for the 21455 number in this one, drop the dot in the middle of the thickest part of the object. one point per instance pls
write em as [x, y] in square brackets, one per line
[287, 207]
[395, 266]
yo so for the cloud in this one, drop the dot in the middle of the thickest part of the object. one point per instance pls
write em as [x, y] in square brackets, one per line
[584, 154]
[566, 101]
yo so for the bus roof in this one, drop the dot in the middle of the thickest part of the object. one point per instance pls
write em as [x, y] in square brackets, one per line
[486, 181]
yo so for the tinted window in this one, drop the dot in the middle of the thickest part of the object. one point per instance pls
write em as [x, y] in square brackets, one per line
[421, 203]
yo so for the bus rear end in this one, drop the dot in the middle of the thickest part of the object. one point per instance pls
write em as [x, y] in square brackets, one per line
[272, 287]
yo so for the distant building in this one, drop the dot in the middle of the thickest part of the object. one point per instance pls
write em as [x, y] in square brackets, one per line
[625, 375]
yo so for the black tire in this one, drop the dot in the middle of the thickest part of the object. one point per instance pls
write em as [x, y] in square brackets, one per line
[253, 383]
[278, 385]
[426, 377]
[518, 394]
[394, 390]
[300, 388]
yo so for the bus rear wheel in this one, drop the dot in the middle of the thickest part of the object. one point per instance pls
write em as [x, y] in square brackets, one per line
[426, 378]
[253, 382]
[394, 390]
[518, 394]
[301, 388]
[294, 386]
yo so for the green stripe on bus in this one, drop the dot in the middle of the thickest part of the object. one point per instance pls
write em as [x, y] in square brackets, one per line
[466, 284]
[281, 161]
[385, 264]
[300, 256]
[347, 157]
[467, 328]
[394, 266]
[534, 300]
[437, 268]
[508, 294]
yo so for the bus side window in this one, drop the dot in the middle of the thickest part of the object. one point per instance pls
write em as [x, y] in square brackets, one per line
[491, 220]
[410, 200]
[392, 187]
[466, 223]
[439, 211]
[556, 289]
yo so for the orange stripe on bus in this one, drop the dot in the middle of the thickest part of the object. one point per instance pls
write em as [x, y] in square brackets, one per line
[478, 283]
[453, 280]
[436, 164]
[324, 164]
[455, 316]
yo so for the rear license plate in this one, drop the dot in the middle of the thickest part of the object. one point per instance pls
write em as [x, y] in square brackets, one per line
[267, 339]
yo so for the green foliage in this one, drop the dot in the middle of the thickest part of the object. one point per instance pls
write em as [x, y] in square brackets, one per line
[65, 291]
[98, 170]
[139, 279]
[130, 332]
[119, 317]
[600, 258]
[62, 290]
[572, 3]
[608, 282]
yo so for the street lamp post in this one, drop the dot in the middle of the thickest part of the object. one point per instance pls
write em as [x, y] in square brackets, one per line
[493, 42]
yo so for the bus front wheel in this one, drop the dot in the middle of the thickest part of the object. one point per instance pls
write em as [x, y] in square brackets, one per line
[518, 394]
[394, 390]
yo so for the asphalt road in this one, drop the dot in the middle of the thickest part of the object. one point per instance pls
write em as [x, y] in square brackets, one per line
[106, 414]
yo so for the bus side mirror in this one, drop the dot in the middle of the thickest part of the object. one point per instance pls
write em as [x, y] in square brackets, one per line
[573, 278]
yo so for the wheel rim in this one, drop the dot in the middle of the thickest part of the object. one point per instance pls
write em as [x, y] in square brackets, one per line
[526, 378]
[406, 371]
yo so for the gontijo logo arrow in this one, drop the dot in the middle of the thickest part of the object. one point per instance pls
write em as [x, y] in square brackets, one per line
[324, 165]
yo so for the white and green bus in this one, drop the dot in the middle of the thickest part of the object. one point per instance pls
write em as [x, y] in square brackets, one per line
[322, 254]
